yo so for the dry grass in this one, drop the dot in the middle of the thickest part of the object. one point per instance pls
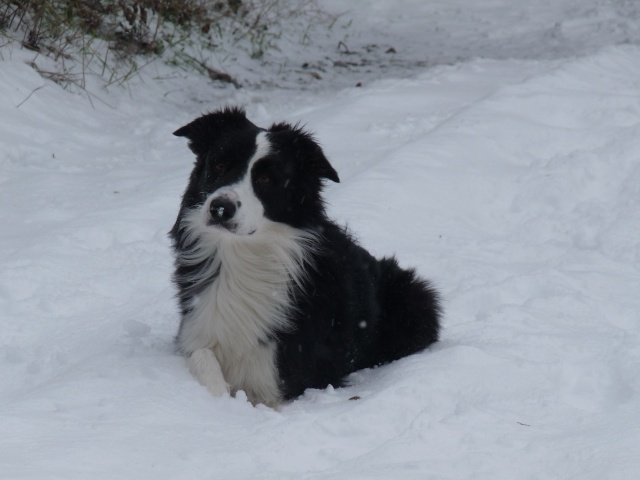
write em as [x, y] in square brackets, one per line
[113, 39]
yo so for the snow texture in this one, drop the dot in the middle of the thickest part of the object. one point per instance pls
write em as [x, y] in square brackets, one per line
[500, 155]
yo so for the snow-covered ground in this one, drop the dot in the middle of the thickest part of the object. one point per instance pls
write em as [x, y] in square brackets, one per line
[506, 168]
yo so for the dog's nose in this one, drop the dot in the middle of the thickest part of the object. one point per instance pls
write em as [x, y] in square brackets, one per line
[222, 209]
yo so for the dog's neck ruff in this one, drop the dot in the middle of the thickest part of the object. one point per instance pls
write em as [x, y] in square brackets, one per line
[250, 277]
[242, 288]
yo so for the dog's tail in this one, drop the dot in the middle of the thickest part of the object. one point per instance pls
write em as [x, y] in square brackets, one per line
[410, 309]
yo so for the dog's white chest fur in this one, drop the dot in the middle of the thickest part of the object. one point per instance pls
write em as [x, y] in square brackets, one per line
[236, 316]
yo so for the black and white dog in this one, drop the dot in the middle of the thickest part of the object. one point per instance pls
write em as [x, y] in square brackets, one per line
[275, 297]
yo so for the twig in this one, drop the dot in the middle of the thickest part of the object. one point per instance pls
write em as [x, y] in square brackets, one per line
[216, 74]
[342, 47]
[29, 96]
[60, 77]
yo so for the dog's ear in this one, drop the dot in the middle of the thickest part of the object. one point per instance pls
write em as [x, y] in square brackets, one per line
[307, 150]
[320, 163]
[205, 130]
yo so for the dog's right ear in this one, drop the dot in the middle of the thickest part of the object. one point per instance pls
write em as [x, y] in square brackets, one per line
[205, 130]
[183, 131]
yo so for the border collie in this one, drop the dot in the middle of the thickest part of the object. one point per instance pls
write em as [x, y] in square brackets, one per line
[276, 298]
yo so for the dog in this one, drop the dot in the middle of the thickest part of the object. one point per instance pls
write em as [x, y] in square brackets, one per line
[276, 298]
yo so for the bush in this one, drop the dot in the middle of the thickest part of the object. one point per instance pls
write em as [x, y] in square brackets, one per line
[113, 38]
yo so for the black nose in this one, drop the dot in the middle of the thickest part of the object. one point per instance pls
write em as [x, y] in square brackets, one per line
[222, 209]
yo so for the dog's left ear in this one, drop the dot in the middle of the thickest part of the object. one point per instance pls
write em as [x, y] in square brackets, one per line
[307, 149]
[321, 164]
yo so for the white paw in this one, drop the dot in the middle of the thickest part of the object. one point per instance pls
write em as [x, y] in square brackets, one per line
[204, 365]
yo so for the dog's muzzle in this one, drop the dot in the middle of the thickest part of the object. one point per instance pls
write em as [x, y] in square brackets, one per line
[222, 210]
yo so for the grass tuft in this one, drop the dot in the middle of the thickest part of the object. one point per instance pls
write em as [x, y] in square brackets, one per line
[114, 39]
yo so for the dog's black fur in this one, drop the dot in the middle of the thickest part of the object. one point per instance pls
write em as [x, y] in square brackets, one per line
[351, 311]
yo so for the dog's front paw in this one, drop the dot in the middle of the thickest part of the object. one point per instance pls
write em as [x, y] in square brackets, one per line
[204, 365]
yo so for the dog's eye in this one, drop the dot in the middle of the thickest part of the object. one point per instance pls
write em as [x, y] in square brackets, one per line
[263, 178]
[220, 167]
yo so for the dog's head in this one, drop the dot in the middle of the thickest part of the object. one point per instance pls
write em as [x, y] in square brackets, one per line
[246, 177]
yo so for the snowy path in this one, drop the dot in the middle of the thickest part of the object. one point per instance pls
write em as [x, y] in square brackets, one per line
[514, 184]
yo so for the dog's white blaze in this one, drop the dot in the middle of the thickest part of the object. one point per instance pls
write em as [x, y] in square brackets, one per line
[250, 215]
[249, 298]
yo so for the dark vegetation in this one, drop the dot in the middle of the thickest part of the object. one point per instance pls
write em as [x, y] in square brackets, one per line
[113, 39]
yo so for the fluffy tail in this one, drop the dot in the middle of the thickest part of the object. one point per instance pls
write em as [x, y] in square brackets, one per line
[410, 310]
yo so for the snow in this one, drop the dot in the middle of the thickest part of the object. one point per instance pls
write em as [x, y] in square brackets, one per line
[503, 162]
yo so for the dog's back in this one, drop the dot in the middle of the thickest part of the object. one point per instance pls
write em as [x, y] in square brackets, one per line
[355, 312]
